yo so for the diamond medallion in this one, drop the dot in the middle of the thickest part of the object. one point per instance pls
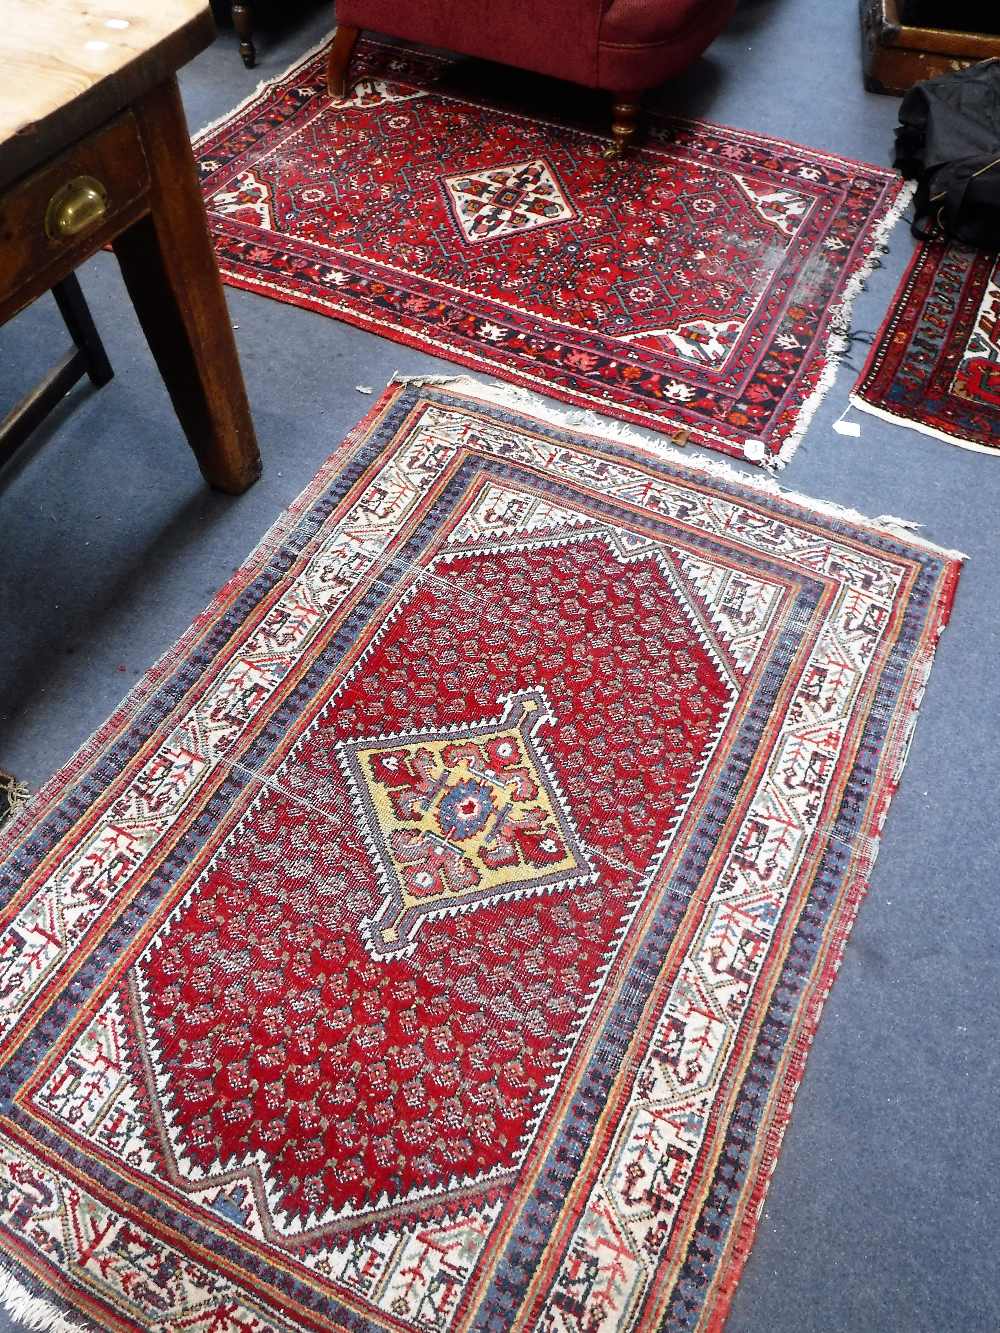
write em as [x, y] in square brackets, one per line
[506, 200]
[457, 818]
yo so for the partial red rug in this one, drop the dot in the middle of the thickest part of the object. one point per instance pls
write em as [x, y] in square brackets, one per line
[935, 364]
[701, 284]
[435, 937]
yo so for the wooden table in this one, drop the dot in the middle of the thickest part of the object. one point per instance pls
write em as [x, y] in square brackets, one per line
[94, 148]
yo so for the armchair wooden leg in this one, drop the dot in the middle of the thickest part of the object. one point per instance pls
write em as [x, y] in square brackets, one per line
[340, 59]
[624, 122]
[243, 23]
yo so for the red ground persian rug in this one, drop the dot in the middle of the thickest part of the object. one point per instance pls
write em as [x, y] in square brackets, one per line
[935, 364]
[702, 283]
[434, 939]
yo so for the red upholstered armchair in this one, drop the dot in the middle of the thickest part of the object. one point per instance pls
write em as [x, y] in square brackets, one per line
[623, 46]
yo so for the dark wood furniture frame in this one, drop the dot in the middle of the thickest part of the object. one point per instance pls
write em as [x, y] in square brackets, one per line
[896, 56]
[243, 23]
[339, 60]
[112, 164]
[87, 357]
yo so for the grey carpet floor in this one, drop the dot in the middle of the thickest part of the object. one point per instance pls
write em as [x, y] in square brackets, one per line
[885, 1207]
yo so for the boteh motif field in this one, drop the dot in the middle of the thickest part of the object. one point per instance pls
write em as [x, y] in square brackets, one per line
[702, 284]
[434, 939]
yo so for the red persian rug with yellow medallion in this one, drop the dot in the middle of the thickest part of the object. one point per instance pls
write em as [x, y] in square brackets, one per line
[433, 940]
[701, 284]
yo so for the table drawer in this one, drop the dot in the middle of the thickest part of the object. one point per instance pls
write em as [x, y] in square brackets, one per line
[60, 213]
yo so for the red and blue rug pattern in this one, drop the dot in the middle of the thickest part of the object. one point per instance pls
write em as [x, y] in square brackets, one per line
[433, 940]
[701, 284]
[935, 363]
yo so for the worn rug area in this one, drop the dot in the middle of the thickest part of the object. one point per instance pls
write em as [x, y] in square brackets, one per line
[13, 796]
[434, 939]
[701, 285]
[935, 363]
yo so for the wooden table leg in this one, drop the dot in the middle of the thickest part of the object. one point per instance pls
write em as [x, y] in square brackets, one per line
[243, 23]
[172, 277]
[88, 357]
[78, 319]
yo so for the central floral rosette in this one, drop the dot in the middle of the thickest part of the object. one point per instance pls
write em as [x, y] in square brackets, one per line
[454, 819]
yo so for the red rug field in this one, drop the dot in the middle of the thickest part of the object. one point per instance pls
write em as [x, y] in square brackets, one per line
[700, 284]
[434, 939]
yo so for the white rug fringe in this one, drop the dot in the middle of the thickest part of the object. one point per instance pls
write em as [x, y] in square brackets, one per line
[838, 340]
[34, 1312]
[837, 345]
[576, 418]
[545, 409]
[884, 415]
[261, 88]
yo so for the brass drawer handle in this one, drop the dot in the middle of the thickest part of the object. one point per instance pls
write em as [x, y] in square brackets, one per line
[75, 207]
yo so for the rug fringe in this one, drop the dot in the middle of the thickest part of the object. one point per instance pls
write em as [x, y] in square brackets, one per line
[838, 340]
[34, 1312]
[884, 415]
[261, 88]
[18, 795]
[514, 397]
[575, 418]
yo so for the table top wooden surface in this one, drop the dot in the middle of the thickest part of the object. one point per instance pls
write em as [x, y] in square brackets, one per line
[66, 66]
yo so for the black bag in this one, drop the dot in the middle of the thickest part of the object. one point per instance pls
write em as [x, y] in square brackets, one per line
[948, 141]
